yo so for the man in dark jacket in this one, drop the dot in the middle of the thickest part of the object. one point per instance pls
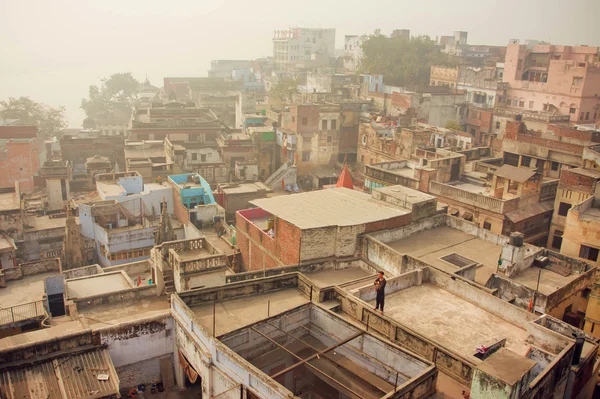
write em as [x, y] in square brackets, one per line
[380, 283]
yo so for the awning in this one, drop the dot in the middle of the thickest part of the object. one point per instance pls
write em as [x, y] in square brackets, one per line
[453, 211]
[520, 175]
[87, 375]
[529, 211]
[467, 216]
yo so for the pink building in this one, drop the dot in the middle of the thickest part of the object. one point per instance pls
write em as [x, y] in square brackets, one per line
[544, 77]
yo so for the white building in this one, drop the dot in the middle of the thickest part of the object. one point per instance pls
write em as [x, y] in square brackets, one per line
[353, 51]
[295, 45]
[128, 186]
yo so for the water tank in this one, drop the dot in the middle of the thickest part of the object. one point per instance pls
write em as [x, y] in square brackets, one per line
[518, 117]
[516, 239]
[579, 341]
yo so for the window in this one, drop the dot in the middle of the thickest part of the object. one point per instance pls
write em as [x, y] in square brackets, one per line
[515, 102]
[306, 156]
[589, 253]
[554, 166]
[530, 104]
[508, 101]
[572, 110]
[472, 131]
[498, 125]
[452, 85]
[304, 120]
[202, 157]
[587, 116]
[581, 115]
[521, 103]
[545, 107]
[487, 225]
[577, 81]
[333, 124]
[362, 159]
[364, 139]
[557, 239]
[194, 157]
[329, 139]
[563, 208]
[324, 124]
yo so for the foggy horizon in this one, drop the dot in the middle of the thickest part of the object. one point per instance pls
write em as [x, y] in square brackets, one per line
[52, 52]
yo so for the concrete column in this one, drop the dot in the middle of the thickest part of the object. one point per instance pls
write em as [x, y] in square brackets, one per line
[506, 187]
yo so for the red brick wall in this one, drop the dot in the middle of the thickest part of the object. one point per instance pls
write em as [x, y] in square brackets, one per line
[18, 132]
[288, 242]
[512, 133]
[391, 223]
[21, 163]
[576, 182]
[572, 133]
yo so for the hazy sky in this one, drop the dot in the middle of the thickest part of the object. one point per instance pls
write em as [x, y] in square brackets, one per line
[52, 50]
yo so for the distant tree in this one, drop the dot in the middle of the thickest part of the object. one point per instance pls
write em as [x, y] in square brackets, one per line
[48, 119]
[118, 88]
[402, 61]
[452, 124]
[284, 89]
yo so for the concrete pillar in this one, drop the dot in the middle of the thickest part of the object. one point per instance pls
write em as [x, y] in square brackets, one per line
[506, 187]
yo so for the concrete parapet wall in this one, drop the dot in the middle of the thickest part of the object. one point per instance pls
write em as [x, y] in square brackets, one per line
[116, 296]
[84, 271]
[32, 268]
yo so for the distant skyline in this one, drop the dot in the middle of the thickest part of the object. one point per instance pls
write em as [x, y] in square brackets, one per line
[52, 51]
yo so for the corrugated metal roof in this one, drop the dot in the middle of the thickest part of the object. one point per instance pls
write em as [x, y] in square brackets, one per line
[520, 175]
[529, 211]
[66, 377]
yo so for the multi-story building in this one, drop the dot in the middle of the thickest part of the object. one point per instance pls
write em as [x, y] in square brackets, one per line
[298, 45]
[20, 156]
[577, 186]
[353, 51]
[120, 230]
[224, 68]
[443, 76]
[544, 77]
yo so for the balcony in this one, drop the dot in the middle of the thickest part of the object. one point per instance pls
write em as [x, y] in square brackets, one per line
[482, 201]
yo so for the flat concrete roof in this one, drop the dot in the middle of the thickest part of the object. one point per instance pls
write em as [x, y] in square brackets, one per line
[243, 188]
[123, 312]
[549, 281]
[28, 289]
[238, 313]
[9, 202]
[110, 189]
[46, 223]
[430, 245]
[507, 366]
[452, 321]
[326, 278]
[332, 207]
[97, 285]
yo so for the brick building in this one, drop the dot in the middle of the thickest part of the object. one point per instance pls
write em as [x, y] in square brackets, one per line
[306, 227]
[546, 77]
[22, 153]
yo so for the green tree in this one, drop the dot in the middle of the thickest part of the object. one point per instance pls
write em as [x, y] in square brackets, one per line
[120, 88]
[452, 124]
[48, 119]
[284, 89]
[402, 61]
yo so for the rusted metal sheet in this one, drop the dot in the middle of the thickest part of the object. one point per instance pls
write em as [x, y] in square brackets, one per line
[69, 377]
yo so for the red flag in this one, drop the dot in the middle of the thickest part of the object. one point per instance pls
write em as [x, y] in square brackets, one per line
[282, 184]
[530, 304]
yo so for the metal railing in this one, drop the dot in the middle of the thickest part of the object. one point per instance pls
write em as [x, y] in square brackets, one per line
[25, 311]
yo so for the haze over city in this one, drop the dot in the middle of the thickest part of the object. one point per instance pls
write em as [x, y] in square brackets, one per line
[304, 200]
[52, 51]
